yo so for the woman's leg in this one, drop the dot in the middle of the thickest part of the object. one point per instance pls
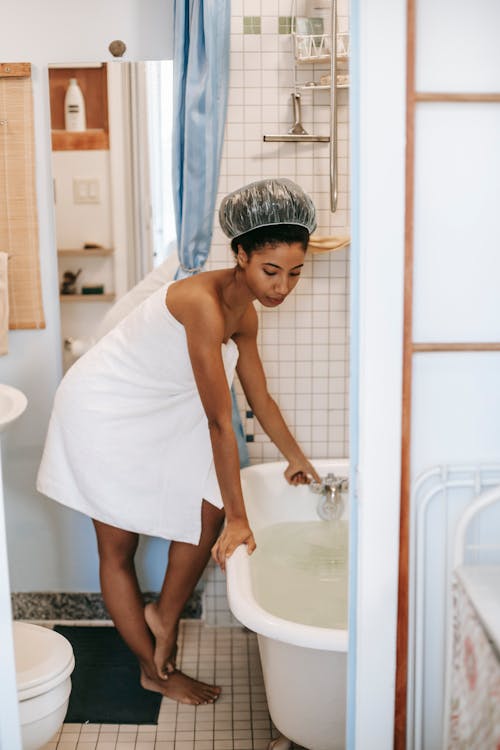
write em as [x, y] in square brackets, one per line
[120, 588]
[186, 563]
[124, 602]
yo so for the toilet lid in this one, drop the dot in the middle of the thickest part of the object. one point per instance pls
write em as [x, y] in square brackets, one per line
[41, 656]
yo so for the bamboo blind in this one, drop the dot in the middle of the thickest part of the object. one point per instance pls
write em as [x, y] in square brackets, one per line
[18, 210]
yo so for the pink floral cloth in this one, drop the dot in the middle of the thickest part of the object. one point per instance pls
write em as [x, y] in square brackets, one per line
[475, 680]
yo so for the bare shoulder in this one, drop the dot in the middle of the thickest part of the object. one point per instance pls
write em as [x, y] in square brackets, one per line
[196, 304]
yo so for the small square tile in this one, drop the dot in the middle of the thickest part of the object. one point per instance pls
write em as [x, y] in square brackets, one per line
[185, 723]
[237, 724]
[261, 744]
[260, 723]
[223, 724]
[204, 734]
[261, 733]
[184, 736]
[284, 25]
[164, 736]
[224, 744]
[251, 25]
[242, 734]
[223, 734]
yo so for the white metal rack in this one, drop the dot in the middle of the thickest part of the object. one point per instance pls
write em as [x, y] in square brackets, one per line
[442, 504]
[326, 50]
[320, 49]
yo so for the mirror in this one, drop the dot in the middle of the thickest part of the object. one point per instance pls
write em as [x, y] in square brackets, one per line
[111, 161]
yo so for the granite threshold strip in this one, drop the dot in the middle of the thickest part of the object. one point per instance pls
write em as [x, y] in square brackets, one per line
[49, 605]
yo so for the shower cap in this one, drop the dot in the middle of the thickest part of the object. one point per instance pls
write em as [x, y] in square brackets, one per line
[265, 203]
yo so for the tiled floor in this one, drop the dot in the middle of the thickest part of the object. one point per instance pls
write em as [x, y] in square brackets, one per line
[227, 656]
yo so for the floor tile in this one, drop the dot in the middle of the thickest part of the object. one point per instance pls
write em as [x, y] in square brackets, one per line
[239, 720]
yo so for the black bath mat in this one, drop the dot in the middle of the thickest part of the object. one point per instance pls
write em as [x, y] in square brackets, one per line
[105, 681]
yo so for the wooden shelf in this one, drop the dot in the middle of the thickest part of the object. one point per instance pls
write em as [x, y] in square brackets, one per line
[93, 83]
[109, 297]
[320, 59]
[342, 83]
[90, 252]
[85, 140]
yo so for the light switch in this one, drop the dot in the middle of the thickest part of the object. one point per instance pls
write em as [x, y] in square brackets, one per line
[86, 190]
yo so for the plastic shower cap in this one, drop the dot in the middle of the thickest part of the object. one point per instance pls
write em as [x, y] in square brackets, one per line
[264, 203]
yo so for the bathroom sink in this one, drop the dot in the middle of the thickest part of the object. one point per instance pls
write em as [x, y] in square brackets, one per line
[12, 404]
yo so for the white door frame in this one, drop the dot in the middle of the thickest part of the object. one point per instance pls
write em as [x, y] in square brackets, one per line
[378, 98]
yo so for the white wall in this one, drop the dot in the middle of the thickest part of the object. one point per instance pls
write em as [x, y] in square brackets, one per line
[50, 549]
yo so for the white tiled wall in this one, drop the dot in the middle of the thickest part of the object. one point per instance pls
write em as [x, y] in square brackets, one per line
[305, 343]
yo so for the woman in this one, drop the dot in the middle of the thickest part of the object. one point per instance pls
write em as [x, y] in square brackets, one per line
[141, 436]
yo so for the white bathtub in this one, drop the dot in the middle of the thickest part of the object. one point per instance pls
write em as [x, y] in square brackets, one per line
[304, 665]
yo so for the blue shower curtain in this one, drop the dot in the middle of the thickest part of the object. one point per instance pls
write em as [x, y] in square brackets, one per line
[201, 76]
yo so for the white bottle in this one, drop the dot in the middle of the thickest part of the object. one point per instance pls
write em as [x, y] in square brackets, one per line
[74, 107]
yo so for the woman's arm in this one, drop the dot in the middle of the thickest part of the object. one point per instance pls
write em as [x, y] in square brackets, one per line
[204, 324]
[253, 381]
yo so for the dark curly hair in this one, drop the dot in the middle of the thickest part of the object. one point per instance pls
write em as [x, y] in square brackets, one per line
[274, 234]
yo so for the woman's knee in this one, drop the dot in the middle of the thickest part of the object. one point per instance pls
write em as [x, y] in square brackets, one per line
[115, 544]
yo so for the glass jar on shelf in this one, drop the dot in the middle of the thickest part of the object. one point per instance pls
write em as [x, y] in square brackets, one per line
[311, 34]
[311, 43]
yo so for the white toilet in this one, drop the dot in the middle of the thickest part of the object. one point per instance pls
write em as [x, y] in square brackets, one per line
[44, 663]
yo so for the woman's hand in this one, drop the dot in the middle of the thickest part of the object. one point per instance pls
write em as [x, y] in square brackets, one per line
[235, 533]
[301, 472]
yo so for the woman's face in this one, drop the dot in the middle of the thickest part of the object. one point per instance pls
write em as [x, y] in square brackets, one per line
[272, 271]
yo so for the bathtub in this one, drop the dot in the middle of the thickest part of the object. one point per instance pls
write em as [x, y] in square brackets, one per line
[304, 665]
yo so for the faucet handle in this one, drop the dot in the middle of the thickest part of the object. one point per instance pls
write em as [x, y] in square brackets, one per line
[330, 482]
[342, 484]
[324, 483]
[315, 486]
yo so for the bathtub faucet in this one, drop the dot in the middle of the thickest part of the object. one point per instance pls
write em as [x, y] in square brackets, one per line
[331, 503]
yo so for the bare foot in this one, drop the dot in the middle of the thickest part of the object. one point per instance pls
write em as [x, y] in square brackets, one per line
[165, 641]
[180, 687]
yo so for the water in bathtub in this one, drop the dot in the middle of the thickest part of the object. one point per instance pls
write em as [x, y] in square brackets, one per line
[299, 572]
